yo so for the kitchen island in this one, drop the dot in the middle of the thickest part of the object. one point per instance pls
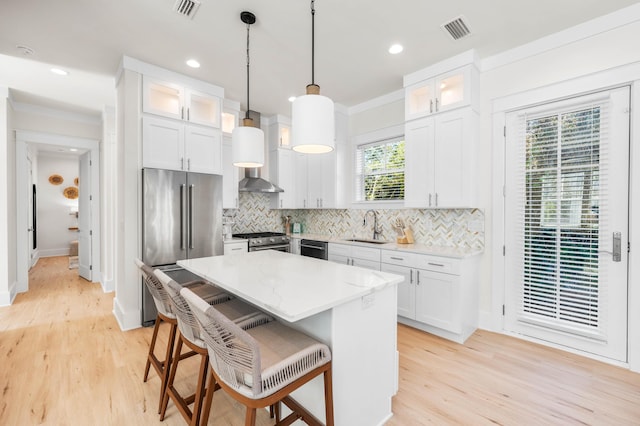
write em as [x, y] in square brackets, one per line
[352, 310]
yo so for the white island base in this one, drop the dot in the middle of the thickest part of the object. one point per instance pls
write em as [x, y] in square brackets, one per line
[352, 310]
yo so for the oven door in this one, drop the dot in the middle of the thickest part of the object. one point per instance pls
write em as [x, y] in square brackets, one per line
[278, 247]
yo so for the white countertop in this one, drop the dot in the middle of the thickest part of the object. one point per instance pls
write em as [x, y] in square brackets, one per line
[444, 251]
[289, 286]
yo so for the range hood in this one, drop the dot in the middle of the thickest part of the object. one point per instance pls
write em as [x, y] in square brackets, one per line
[252, 182]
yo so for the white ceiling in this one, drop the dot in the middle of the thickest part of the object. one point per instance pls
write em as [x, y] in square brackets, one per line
[89, 37]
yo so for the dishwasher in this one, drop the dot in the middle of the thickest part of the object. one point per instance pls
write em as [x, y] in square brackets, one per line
[313, 248]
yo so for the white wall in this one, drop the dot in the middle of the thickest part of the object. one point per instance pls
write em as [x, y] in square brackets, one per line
[53, 207]
[7, 199]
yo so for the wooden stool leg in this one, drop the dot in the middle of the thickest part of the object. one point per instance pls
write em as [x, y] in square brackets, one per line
[208, 398]
[152, 346]
[328, 397]
[168, 358]
[202, 378]
[172, 376]
[250, 419]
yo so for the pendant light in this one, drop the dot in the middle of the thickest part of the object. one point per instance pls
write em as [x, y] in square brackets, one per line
[247, 141]
[312, 115]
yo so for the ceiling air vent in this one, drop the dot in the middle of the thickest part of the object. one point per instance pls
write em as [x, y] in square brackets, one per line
[186, 8]
[457, 28]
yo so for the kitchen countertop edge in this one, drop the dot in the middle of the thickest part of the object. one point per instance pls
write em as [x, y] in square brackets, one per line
[444, 251]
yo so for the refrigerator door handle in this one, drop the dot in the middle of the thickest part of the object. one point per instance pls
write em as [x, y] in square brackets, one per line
[183, 216]
[191, 218]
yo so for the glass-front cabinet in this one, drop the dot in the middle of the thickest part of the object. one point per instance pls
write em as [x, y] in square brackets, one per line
[181, 103]
[443, 92]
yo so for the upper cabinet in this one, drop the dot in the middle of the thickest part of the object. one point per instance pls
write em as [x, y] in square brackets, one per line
[442, 87]
[439, 160]
[180, 103]
[169, 144]
[280, 132]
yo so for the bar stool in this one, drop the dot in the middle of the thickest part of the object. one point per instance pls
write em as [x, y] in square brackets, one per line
[167, 315]
[190, 336]
[261, 366]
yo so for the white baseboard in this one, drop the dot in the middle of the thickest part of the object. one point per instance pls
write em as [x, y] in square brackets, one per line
[54, 252]
[108, 286]
[7, 297]
[126, 320]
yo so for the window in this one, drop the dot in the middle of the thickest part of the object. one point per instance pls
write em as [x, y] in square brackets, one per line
[380, 171]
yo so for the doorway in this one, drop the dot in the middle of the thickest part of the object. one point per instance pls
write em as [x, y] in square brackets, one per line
[27, 144]
[567, 222]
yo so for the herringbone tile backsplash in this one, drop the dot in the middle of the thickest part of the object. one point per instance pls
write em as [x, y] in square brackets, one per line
[455, 228]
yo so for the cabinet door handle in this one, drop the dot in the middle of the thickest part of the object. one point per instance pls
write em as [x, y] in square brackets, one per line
[182, 113]
[436, 264]
[304, 203]
[436, 199]
[397, 258]
[436, 104]
[181, 163]
[410, 276]
[429, 200]
[188, 115]
[431, 106]
[418, 277]
[237, 248]
[188, 163]
[280, 203]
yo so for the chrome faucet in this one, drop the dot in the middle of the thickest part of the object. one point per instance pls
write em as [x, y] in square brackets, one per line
[377, 230]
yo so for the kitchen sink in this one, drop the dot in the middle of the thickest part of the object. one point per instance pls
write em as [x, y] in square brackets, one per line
[359, 240]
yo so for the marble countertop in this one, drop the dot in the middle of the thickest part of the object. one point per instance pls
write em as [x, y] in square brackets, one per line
[444, 251]
[288, 286]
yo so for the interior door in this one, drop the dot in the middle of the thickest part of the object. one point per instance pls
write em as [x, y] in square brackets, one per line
[84, 218]
[566, 210]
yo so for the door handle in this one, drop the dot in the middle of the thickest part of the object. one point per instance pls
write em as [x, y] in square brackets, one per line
[191, 218]
[183, 217]
[617, 246]
[410, 276]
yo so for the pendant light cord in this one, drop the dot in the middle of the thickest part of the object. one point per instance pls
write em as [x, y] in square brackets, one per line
[247, 113]
[313, 41]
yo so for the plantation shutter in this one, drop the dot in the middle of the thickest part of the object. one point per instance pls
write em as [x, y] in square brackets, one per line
[560, 215]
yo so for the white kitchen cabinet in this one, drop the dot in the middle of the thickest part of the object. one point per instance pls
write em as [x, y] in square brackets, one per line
[321, 180]
[348, 254]
[440, 160]
[300, 174]
[439, 294]
[443, 92]
[281, 173]
[180, 103]
[280, 132]
[169, 144]
[235, 247]
[230, 176]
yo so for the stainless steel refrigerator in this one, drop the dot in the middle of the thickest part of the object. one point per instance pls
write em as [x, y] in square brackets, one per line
[181, 219]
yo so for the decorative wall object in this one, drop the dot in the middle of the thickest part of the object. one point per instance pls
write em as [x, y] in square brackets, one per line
[452, 228]
[56, 179]
[70, 192]
[76, 181]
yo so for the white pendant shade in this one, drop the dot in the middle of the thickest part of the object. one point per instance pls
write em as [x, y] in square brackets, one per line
[313, 124]
[247, 144]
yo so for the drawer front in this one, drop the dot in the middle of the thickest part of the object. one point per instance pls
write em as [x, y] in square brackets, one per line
[365, 253]
[394, 257]
[445, 265]
[339, 249]
[369, 264]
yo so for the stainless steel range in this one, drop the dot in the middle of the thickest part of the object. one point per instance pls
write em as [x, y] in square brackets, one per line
[266, 241]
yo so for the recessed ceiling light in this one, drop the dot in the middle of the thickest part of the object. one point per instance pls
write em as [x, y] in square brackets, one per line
[59, 71]
[193, 63]
[292, 98]
[395, 49]
[73, 149]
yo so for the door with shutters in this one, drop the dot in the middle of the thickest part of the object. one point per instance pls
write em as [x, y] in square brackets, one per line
[566, 227]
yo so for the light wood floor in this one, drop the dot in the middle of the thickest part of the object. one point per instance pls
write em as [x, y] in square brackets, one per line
[64, 361]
